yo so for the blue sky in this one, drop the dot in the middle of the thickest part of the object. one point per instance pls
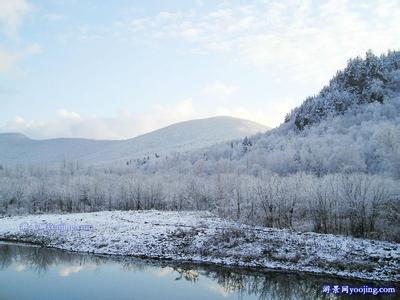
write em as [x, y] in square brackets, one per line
[116, 69]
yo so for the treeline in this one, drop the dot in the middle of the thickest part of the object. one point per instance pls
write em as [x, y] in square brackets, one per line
[333, 167]
[353, 204]
[368, 80]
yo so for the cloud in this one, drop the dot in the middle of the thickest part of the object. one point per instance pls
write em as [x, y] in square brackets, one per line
[7, 60]
[65, 114]
[10, 59]
[68, 270]
[271, 116]
[124, 125]
[12, 13]
[19, 267]
[256, 115]
[220, 89]
[54, 17]
[12, 51]
[300, 40]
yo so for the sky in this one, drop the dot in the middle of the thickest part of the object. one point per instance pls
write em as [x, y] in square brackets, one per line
[117, 69]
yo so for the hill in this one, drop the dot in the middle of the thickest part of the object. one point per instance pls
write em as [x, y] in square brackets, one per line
[190, 135]
[352, 125]
[333, 166]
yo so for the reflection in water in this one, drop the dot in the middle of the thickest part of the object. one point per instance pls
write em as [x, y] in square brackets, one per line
[220, 282]
[68, 270]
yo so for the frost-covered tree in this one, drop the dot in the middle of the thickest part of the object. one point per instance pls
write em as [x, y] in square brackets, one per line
[333, 166]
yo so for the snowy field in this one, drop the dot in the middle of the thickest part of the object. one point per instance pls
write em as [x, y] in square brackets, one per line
[203, 237]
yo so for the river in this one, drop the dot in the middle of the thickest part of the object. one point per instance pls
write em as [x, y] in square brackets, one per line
[31, 272]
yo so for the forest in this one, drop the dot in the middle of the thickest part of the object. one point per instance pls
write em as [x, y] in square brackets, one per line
[333, 166]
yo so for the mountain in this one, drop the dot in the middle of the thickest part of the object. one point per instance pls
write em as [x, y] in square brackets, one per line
[351, 126]
[364, 81]
[333, 165]
[16, 148]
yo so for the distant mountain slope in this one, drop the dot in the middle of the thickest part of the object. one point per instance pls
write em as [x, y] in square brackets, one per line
[18, 149]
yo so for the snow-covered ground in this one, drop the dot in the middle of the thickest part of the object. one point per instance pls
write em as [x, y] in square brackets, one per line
[203, 237]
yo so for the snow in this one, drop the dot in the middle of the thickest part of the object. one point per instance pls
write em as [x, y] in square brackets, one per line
[204, 237]
[183, 136]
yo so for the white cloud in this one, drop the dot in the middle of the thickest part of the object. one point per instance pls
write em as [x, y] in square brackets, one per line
[300, 40]
[12, 13]
[256, 115]
[83, 28]
[124, 125]
[19, 267]
[9, 59]
[65, 114]
[54, 17]
[18, 121]
[270, 116]
[66, 271]
[220, 89]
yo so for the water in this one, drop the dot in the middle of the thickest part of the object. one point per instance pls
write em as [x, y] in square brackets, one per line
[29, 272]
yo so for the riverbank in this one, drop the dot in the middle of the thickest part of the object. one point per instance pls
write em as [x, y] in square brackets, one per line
[203, 237]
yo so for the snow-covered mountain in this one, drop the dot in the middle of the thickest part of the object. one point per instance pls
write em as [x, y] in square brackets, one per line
[333, 166]
[16, 148]
[352, 125]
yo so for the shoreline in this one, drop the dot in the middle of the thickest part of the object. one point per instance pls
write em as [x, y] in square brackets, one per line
[201, 264]
[204, 239]
[174, 262]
